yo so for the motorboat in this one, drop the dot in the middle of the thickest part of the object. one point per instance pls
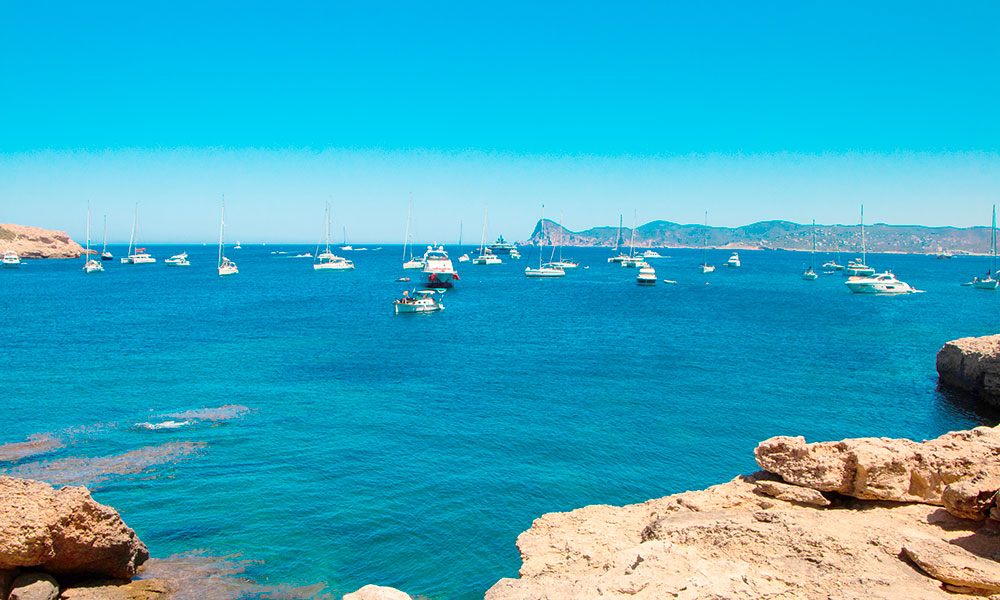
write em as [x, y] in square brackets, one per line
[11, 260]
[882, 283]
[422, 301]
[646, 276]
[651, 254]
[857, 267]
[830, 266]
[178, 260]
[514, 254]
[707, 268]
[734, 260]
[463, 258]
[502, 246]
[438, 268]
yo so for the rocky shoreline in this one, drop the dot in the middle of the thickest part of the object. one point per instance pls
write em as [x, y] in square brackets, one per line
[35, 242]
[841, 520]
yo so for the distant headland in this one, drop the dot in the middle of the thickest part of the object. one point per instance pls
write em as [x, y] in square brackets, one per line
[775, 235]
[35, 242]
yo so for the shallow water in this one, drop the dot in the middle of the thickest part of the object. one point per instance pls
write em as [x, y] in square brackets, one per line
[326, 440]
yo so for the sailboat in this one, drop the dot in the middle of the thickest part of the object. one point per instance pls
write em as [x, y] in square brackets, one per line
[346, 246]
[465, 255]
[989, 282]
[92, 265]
[563, 263]
[105, 255]
[705, 267]
[226, 266]
[546, 270]
[410, 263]
[620, 256]
[632, 260]
[486, 256]
[140, 256]
[858, 266]
[326, 260]
[809, 274]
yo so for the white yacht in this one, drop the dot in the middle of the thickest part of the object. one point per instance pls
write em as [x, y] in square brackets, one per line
[501, 246]
[11, 260]
[92, 265]
[226, 266]
[486, 258]
[438, 267]
[734, 260]
[178, 260]
[326, 260]
[421, 301]
[646, 276]
[831, 265]
[651, 254]
[140, 256]
[486, 254]
[882, 283]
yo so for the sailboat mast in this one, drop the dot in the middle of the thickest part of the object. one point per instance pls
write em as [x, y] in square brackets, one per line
[105, 247]
[864, 249]
[993, 239]
[812, 259]
[135, 220]
[482, 243]
[88, 229]
[222, 228]
[328, 218]
[705, 243]
[541, 245]
[409, 216]
[631, 244]
[618, 240]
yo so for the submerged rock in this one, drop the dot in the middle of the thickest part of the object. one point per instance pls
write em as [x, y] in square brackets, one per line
[140, 589]
[972, 364]
[376, 592]
[64, 531]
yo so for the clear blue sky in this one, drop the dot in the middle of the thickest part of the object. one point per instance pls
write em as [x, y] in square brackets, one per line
[751, 111]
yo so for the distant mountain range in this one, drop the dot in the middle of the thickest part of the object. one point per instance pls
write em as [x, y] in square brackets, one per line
[775, 235]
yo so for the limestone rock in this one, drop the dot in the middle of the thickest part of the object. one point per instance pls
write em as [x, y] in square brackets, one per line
[972, 364]
[972, 498]
[883, 468]
[35, 242]
[377, 592]
[64, 531]
[35, 586]
[955, 566]
[792, 493]
[727, 542]
[112, 589]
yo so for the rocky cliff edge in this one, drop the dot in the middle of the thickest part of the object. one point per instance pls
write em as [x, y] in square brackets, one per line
[35, 242]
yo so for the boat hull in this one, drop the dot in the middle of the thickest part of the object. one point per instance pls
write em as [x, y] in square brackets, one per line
[416, 307]
[865, 287]
[334, 266]
[544, 272]
[986, 284]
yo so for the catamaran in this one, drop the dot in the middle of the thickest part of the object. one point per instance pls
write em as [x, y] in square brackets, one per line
[226, 266]
[92, 265]
[631, 260]
[326, 260]
[139, 257]
[620, 256]
[989, 282]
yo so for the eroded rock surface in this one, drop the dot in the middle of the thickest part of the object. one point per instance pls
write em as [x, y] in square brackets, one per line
[35, 242]
[972, 364]
[64, 531]
[893, 469]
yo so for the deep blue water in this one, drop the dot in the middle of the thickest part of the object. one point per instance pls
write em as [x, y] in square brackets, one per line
[411, 450]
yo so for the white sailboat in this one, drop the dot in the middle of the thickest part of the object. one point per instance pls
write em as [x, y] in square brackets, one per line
[411, 262]
[346, 246]
[619, 256]
[632, 260]
[139, 257]
[546, 270]
[326, 260]
[226, 266]
[989, 282]
[486, 256]
[105, 255]
[858, 266]
[92, 265]
[563, 263]
[705, 267]
[809, 274]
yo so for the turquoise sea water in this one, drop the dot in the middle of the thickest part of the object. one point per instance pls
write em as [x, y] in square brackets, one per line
[410, 450]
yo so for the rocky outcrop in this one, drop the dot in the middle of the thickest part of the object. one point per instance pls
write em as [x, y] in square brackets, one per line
[826, 531]
[972, 365]
[35, 586]
[35, 242]
[375, 592]
[64, 531]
